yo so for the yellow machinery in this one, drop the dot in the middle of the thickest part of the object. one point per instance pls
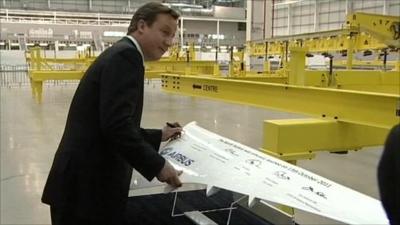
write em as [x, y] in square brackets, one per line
[179, 63]
[362, 103]
[364, 32]
[175, 53]
[42, 68]
[351, 108]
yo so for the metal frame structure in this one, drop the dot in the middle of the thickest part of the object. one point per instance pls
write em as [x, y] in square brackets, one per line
[42, 68]
[351, 108]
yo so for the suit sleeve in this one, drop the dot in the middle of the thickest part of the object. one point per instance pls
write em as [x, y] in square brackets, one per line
[119, 98]
[152, 136]
[388, 176]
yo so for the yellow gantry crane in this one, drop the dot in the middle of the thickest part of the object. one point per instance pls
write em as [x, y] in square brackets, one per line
[350, 108]
[363, 33]
[42, 68]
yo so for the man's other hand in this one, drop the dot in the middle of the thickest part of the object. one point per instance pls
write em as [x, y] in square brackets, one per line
[169, 175]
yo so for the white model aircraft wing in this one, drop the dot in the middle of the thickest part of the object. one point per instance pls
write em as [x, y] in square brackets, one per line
[218, 162]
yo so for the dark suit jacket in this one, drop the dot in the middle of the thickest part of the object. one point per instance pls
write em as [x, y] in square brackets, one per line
[103, 140]
[389, 176]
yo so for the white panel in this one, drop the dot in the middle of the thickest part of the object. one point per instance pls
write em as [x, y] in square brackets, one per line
[296, 11]
[324, 6]
[342, 5]
[229, 12]
[307, 9]
[358, 4]
[368, 5]
[296, 20]
[334, 17]
[334, 6]
[232, 34]
[342, 16]
[209, 159]
[323, 17]
[335, 26]
[310, 28]
[391, 2]
[377, 10]
[258, 12]
[306, 28]
[296, 30]
[394, 9]
[280, 22]
[201, 27]
[323, 27]
[307, 19]
[372, 3]
[283, 12]
[280, 31]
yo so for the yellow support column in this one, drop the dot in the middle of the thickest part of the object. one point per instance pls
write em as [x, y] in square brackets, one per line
[188, 69]
[231, 71]
[32, 86]
[267, 66]
[37, 89]
[397, 66]
[350, 52]
[216, 71]
[297, 66]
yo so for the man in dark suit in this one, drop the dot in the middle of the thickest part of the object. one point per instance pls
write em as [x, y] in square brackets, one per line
[90, 176]
[389, 176]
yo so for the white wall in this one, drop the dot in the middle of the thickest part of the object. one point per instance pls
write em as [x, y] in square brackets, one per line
[319, 15]
[12, 57]
[229, 29]
[118, 6]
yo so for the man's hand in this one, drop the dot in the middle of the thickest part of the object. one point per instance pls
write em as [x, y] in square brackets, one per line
[171, 130]
[169, 175]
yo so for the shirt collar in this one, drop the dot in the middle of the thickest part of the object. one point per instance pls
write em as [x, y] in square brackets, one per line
[136, 43]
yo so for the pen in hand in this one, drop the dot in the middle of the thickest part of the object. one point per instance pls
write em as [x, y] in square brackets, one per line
[174, 125]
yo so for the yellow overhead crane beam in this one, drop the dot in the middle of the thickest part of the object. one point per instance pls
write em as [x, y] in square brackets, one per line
[345, 119]
[328, 41]
[185, 63]
[365, 108]
[363, 32]
[383, 27]
[197, 67]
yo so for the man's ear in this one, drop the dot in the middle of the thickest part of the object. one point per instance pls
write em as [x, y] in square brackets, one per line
[141, 24]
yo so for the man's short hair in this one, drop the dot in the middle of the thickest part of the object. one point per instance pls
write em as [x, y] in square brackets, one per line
[148, 13]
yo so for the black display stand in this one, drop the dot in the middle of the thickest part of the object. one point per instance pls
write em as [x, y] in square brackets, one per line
[157, 209]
